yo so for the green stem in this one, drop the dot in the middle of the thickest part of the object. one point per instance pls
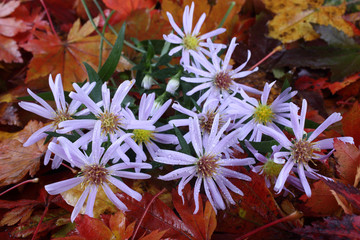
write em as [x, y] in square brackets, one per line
[102, 40]
[113, 29]
[93, 23]
[232, 5]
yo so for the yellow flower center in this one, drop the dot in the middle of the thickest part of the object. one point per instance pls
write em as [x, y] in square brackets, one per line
[302, 151]
[222, 80]
[263, 114]
[94, 174]
[190, 42]
[207, 165]
[60, 117]
[142, 136]
[109, 122]
[272, 168]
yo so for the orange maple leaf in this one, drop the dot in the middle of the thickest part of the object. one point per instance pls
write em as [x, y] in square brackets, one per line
[53, 55]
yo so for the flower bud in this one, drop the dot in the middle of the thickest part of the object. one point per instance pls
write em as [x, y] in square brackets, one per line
[147, 81]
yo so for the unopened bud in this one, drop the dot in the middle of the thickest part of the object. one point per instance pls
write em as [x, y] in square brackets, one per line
[147, 82]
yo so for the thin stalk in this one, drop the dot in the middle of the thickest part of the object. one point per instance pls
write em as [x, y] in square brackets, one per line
[113, 29]
[146, 210]
[278, 48]
[42, 217]
[102, 41]
[232, 5]
[35, 180]
[48, 16]
[295, 215]
[93, 23]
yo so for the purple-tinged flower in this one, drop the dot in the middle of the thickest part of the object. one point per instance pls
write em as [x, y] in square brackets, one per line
[63, 112]
[189, 40]
[255, 112]
[299, 152]
[270, 169]
[206, 117]
[217, 76]
[150, 137]
[94, 172]
[112, 118]
[209, 165]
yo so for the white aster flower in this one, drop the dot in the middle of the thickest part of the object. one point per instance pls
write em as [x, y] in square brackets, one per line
[150, 137]
[217, 76]
[94, 172]
[302, 150]
[209, 165]
[111, 115]
[63, 112]
[261, 112]
[189, 39]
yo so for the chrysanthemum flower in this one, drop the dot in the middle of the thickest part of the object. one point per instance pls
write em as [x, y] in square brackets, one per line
[94, 172]
[112, 118]
[150, 137]
[216, 76]
[299, 152]
[63, 112]
[189, 40]
[255, 112]
[209, 165]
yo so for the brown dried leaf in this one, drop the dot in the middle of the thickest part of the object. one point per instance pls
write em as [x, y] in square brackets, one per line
[17, 161]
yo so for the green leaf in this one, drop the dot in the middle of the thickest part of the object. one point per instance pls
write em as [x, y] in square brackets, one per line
[112, 61]
[184, 146]
[95, 94]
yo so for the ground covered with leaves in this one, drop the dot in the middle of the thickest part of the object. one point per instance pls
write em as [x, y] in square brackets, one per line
[312, 46]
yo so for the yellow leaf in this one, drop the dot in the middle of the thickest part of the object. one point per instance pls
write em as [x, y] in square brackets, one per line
[102, 202]
[294, 18]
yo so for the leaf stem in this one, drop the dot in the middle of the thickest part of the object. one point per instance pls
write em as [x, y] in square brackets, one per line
[295, 215]
[232, 5]
[278, 48]
[93, 23]
[35, 180]
[102, 40]
[42, 217]
[146, 210]
[113, 29]
[49, 18]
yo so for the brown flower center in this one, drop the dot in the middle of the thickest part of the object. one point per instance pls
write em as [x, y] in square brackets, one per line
[302, 151]
[222, 80]
[95, 174]
[207, 165]
[60, 117]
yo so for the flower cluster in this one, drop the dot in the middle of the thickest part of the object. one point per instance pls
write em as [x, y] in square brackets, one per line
[107, 139]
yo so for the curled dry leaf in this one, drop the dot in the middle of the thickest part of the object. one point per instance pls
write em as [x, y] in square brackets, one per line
[17, 161]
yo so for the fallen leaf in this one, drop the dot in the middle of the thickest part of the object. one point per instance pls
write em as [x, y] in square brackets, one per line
[348, 160]
[7, 8]
[17, 161]
[20, 210]
[118, 226]
[125, 7]
[9, 50]
[256, 208]
[294, 18]
[314, 206]
[53, 56]
[92, 228]
[9, 27]
[349, 192]
[102, 202]
[159, 217]
[8, 115]
[332, 228]
[203, 223]
[350, 123]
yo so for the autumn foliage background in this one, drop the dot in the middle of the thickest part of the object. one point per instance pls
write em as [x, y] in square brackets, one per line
[314, 46]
